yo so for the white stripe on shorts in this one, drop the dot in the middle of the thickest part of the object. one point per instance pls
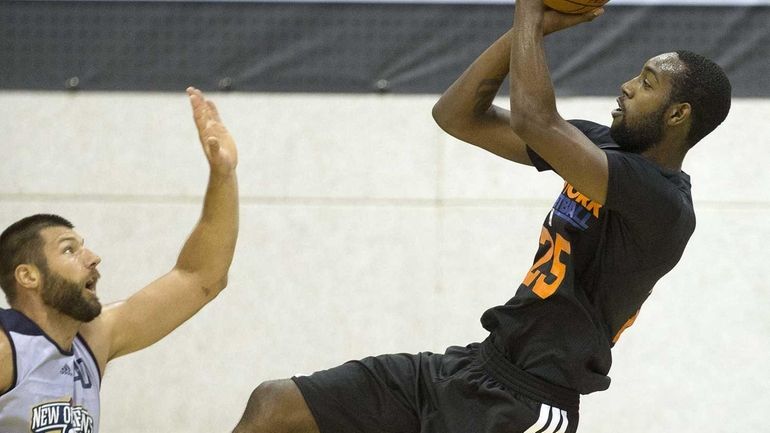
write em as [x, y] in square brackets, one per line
[551, 420]
[564, 422]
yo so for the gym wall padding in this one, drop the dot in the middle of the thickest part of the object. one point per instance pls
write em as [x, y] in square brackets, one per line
[348, 47]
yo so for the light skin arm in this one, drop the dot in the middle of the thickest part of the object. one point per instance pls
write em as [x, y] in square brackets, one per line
[533, 109]
[465, 110]
[201, 269]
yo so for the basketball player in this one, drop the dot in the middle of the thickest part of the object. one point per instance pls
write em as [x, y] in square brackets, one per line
[57, 341]
[620, 223]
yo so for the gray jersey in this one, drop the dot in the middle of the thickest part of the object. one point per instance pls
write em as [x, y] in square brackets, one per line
[53, 390]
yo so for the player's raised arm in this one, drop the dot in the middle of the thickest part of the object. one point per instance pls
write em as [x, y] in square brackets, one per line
[465, 110]
[533, 108]
[201, 270]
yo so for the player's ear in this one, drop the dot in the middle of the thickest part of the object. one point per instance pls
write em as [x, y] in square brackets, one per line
[27, 276]
[679, 113]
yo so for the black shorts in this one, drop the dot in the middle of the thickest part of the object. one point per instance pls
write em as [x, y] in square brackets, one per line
[470, 389]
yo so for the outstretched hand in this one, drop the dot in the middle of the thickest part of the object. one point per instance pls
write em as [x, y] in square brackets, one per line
[217, 143]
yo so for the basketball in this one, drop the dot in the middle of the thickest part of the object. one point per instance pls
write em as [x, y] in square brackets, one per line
[574, 6]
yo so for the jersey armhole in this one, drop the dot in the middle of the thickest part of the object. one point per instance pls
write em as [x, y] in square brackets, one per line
[93, 357]
[15, 377]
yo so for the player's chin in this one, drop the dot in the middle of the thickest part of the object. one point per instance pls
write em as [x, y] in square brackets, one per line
[92, 302]
[617, 121]
[93, 311]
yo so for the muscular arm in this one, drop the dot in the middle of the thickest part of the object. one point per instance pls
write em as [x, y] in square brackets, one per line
[465, 110]
[533, 109]
[201, 269]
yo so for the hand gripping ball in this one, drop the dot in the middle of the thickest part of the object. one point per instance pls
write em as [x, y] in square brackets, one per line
[574, 6]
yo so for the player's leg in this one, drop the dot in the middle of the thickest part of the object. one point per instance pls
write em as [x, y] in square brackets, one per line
[373, 395]
[277, 407]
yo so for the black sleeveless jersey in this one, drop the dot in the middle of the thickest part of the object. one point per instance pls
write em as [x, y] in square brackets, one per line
[595, 266]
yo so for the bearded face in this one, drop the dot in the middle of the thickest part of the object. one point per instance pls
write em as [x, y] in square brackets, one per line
[71, 298]
[639, 135]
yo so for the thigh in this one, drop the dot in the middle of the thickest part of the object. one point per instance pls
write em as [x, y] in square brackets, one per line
[276, 407]
[425, 393]
[373, 395]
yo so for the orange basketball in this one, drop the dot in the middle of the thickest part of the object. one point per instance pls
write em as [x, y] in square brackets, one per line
[574, 6]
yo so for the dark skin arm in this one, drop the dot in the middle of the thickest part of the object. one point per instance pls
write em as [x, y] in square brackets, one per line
[465, 110]
[533, 109]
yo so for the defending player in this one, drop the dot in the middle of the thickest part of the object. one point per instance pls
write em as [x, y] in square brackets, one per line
[620, 223]
[57, 340]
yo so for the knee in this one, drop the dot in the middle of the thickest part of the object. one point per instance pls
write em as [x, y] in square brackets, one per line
[262, 401]
[264, 408]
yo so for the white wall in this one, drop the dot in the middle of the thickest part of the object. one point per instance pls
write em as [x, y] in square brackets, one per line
[366, 230]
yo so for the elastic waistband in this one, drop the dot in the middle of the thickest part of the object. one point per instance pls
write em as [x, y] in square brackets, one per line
[505, 372]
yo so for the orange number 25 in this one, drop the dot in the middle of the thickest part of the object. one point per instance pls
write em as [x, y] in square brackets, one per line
[535, 279]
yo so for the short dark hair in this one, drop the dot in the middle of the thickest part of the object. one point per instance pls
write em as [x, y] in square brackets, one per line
[706, 87]
[21, 243]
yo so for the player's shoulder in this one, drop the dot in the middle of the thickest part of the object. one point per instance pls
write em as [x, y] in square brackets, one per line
[96, 335]
[7, 362]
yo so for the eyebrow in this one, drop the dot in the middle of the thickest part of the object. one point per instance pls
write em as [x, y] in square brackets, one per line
[652, 72]
[66, 238]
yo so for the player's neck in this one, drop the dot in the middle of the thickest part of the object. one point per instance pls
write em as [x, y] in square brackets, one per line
[58, 327]
[668, 155]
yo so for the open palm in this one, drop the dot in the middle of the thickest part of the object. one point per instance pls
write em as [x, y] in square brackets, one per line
[218, 144]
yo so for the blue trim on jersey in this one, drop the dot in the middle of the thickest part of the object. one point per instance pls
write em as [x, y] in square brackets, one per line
[93, 357]
[16, 321]
[7, 333]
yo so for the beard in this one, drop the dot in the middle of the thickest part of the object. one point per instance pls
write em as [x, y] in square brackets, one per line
[66, 296]
[637, 137]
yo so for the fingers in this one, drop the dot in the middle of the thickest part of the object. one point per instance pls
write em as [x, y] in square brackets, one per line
[213, 110]
[555, 20]
[217, 144]
[207, 121]
[205, 112]
[589, 16]
[196, 96]
[197, 101]
[595, 14]
[586, 17]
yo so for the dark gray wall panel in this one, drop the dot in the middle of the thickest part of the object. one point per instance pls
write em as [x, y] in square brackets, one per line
[311, 47]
